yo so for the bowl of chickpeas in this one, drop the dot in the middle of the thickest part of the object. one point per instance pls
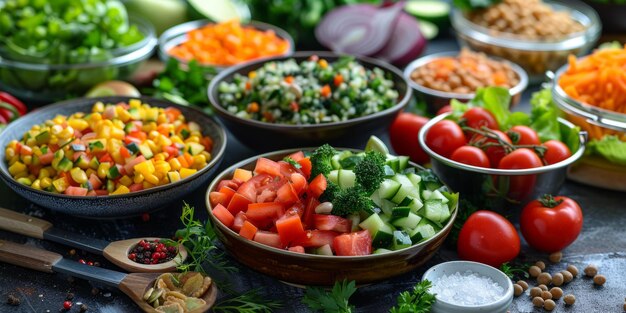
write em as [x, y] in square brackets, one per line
[538, 35]
[110, 156]
[438, 78]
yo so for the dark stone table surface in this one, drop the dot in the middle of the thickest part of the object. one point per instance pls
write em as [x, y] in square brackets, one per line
[602, 242]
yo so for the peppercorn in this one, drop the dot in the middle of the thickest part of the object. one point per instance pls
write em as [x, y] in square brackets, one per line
[517, 290]
[13, 300]
[549, 305]
[572, 269]
[567, 276]
[591, 270]
[534, 271]
[544, 278]
[546, 295]
[523, 284]
[540, 265]
[556, 292]
[535, 292]
[83, 308]
[72, 252]
[555, 257]
[599, 280]
[569, 299]
[543, 287]
[558, 279]
[538, 302]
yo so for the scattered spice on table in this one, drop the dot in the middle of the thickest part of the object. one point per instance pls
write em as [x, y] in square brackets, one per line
[13, 300]
[467, 288]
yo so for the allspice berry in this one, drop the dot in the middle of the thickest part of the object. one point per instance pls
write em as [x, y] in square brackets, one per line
[573, 270]
[540, 265]
[591, 270]
[517, 290]
[556, 292]
[538, 302]
[523, 284]
[569, 299]
[543, 287]
[557, 279]
[567, 276]
[599, 280]
[535, 292]
[544, 278]
[549, 305]
[534, 271]
[556, 257]
[546, 295]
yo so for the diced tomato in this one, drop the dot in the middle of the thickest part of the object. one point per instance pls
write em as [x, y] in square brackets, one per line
[263, 214]
[253, 186]
[290, 229]
[309, 210]
[106, 158]
[46, 158]
[299, 183]
[95, 181]
[238, 203]
[297, 156]
[239, 219]
[129, 139]
[332, 222]
[268, 238]
[34, 169]
[100, 192]
[228, 192]
[222, 214]
[296, 209]
[140, 135]
[286, 169]
[287, 194]
[266, 196]
[216, 198]
[129, 167]
[135, 187]
[357, 243]
[231, 183]
[267, 166]
[318, 186]
[172, 151]
[75, 191]
[124, 152]
[91, 193]
[317, 238]
[26, 150]
[297, 249]
[243, 175]
[305, 167]
[248, 230]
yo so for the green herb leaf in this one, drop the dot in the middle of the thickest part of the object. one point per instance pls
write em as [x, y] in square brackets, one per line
[335, 301]
[418, 300]
[292, 162]
[252, 301]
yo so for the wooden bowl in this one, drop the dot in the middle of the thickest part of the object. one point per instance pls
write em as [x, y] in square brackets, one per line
[312, 269]
[133, 203]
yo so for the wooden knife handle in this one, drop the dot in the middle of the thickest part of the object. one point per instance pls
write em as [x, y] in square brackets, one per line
[28, 256]
[23, 224]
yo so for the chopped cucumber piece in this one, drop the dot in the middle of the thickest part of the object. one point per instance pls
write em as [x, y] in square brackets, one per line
[400, 212]
[194, 148]
[415, 179]
[114, 172]
[387, 207]
[422, 232]
[380, 231]
[414, 203]
[402, 179]
[133, 147]
[94, 163]
[43, 137]
[408, 222]
[324, 250]
[376, 198]
[388, 189]
[334, 161]
[403, 192]
[355, 219]
[389, 172]
[346, 179]
[82, 162]
[381, 251]
[333, 176]
[428, 29]
[350, 162]
[394, 163]
[145, 151]
[401, 240]
[65, 165]
[375, 144]
[438, 195]
[436, 211]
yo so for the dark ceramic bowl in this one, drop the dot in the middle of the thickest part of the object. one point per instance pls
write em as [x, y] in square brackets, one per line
[117, 205]
[269, 136]
[322, 270]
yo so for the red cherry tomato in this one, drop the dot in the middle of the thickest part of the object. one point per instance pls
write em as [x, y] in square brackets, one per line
[444, 137]
[550, 224]
[444, 109]
[520, 186]
[471, 155]
[403, 136]
[489, 238]
[524, 135]
[556, 151]
[478, 117]
[495, 154]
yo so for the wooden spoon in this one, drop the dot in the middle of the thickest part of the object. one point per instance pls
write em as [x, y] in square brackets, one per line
[133, 285]
[116, 252]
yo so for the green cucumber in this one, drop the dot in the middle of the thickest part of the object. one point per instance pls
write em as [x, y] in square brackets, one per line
[400, 212]
[355, 219]
[428, 29]
[114, 172]
[43, 137]
[403, 162]
[324, 250]
[422, 232]
[394, 163]
[94, 163]
[333, 176]
[387, 207]
[65, 165]
[402, 179]
[346, 179]
[350, 162]
[97, 145]
[376, 144]
[415, 179]
[110, 186]
[436, 211]
[403, 192]
[194, 148]
[388, 189]
[381, 251]
[408, 222]
[414, 203]
[434, 11]
[82, 162]
[334, 161]
[219, 10]
[380, 231]
[401, 240]
[133, 147]
[146, 151]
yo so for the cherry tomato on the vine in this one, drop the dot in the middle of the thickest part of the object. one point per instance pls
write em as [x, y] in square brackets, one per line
[520, 186]
[489, 238]
[403, 136]
[471, 155]
[494, 153]
[444, 137]
[556, 151]
[478, 117]
[525, 135]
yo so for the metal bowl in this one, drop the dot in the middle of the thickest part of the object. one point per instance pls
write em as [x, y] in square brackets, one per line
[133, 203]
[30, 79]
[436, 99]
[500, 189]
[312, 269]
[270, 136]
[178, 34]
[535, 56]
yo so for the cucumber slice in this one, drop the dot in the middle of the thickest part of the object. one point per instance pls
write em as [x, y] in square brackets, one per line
[145, 151]
[194, 148]
[375, 144]
[334, 161]
[403, 162]
[387, 207]
[355, 219]
[438, 195]
[333, 176]
[414, 203]
[422, 232]
[434, 11]
[428, 29]
[346, 179]
[324, 250]
[394, 163]
[415, 179]
[219, 10]
[381, 232]
[350, 162]
[376, 198]
[401, 240]
[402, 179]
[381, 251]
[436, 211]
[388, 189]
[403, 192]
[400, 212]
[408, 222]
[94, 163]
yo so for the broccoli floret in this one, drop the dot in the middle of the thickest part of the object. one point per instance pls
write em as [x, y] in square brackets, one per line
[321, 160]
[370, 172]
[329, 194]
[351, 200]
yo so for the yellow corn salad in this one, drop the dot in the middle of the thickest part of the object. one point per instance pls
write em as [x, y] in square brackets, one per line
[115, 149]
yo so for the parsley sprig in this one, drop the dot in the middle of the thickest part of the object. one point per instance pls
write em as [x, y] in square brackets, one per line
[418, 300]
[335, 301]
[249, 302]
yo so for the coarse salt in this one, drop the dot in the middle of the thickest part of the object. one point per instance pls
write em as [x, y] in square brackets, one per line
[468, 288]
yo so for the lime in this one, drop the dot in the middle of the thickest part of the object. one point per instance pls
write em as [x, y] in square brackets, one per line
[375, 144]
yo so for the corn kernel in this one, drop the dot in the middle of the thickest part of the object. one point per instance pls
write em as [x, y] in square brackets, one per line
[134, 103]
[16, 168]
[98, 107]
[9, 153]
[175, 164]
[79, 124]
[151, 178]
[103, 170]
[36, 184]
[138, 178]
[78, 175]
[126, 181]
[27, 159]
[24, 181]
[45, 182]
[186, 172]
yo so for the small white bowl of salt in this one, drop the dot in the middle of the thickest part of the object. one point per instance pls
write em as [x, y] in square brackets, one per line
[469, 287]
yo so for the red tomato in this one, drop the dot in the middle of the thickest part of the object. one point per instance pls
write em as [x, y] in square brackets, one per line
[290, 229]
[268, 238]
[444, 109]
[444, 137]
[299, 183]
[218, 198]
[556, 151]
[357, 243]
[495, 154]
[478, 117]
[267, 166]
[297, 156]
[489, 238]
[238, 222]
[317, 238]
[305, 167]
[263, 214]
[523, 135]
[318, 186]
[332, 222]
[403, 136]
[520, 186]
[551, 224]
[471, 155]
[298, 249]
[238, 203]
[287, 194]
[309, 210]
[223, 215]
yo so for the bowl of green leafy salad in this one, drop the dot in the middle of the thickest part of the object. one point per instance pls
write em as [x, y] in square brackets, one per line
[58, 49]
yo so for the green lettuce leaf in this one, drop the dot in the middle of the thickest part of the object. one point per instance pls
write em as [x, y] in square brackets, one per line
[609, 147]
[544, 116]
